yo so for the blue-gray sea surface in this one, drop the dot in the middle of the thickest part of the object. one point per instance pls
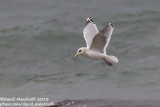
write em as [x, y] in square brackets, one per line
[38, 39]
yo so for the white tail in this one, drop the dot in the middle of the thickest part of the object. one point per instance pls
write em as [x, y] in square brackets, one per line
[111, 58]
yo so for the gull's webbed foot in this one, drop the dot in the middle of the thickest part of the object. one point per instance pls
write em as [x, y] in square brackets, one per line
[108, 63]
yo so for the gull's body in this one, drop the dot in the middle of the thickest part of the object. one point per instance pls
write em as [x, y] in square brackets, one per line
[97, 42]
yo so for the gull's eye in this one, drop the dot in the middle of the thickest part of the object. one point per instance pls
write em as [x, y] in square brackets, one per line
[79, 50]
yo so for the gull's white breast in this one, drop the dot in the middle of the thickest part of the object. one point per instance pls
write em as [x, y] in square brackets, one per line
[94, 54]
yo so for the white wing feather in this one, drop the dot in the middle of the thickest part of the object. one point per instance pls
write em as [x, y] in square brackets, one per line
[101, 40]
[89, 31]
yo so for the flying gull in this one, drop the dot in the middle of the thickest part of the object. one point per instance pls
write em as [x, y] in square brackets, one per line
[97, 42]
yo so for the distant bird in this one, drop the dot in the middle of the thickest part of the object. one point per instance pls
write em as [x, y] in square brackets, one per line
[97, 42]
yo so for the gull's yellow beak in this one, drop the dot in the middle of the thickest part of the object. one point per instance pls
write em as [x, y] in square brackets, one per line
[76, 55]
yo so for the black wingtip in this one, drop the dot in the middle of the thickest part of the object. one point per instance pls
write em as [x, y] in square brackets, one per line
[90, 20]
[112, 24]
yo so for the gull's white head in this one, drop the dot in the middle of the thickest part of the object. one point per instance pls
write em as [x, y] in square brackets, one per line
[81, 51]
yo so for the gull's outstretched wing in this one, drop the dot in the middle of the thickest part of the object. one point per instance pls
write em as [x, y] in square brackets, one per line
[89, 31]
[101, 40]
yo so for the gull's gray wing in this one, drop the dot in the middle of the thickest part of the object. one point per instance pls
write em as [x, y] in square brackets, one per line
[101, 40]
[89, 31]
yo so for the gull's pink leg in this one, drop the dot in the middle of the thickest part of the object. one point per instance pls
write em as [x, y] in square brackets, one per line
[108, 63]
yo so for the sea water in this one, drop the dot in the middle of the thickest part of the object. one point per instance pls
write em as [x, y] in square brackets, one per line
[38, 40]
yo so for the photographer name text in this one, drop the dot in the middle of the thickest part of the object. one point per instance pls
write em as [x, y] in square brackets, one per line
[24, 101]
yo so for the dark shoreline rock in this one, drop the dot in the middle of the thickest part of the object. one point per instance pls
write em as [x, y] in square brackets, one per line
[106, 103]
